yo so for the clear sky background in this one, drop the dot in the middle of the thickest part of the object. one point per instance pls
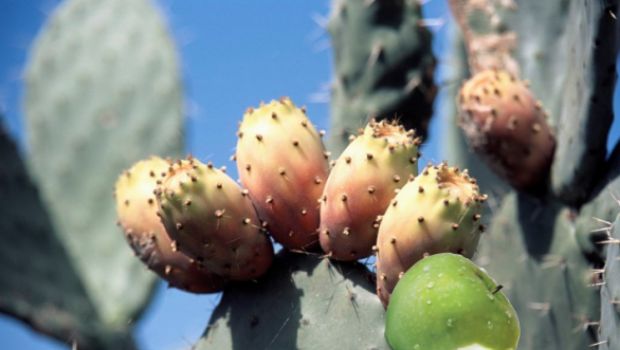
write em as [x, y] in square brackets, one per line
[234, 54]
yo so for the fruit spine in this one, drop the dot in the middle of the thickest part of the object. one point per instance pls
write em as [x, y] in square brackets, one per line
[137, 215]
[282, 162]
[211, 219]
[506, 126]
[361, 185]
[439, 211]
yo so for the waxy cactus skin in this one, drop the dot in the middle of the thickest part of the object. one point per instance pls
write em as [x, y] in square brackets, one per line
[283, 164]
[439, 211]
[507, 127]
[211, 219]
[360, 186]
[136, 208]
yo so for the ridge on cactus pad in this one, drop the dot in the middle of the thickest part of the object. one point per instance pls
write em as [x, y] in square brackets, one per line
[508, 128]
[439, 211]
[446, 302]
[282, 162]
[212, 220]
[136, 208]
[360, 186]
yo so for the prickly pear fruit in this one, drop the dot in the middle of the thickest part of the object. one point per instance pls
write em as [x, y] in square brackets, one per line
[446, 302]
[211, 219]
[282, 162]
[437, 212]
[361, 185]
[137, 215]
[505, 125]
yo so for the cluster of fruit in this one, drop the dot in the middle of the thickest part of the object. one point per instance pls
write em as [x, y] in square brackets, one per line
[193, 225]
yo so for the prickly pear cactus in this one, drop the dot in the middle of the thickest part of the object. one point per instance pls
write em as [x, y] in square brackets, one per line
[212, 220]
[551, 240]
[102, 91]
[361, 185]
[584, 34]
[609, 337]
[384, 67]
[438, 211]
[39, 282]
[137, 209]
[297, 305]
[282, 162]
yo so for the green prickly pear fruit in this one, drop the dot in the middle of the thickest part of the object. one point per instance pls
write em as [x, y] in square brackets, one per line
[437, 212]
[136, 208]
[505, 124]
[360, 186]
[211, 219]
[446, 302]
[282, 162]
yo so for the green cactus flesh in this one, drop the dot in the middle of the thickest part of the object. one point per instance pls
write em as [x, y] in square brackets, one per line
[303, 302]
[39, 282]
[609, 335]
[446, 302]
[384, 67]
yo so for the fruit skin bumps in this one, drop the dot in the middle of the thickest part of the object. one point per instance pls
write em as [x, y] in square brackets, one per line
[507, 127]
[211, 219]
[136, 208]
[446, 302]
[437, 212]
[283, 164]
[360, 186]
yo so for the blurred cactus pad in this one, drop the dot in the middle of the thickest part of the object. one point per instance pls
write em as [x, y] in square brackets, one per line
[103, 91]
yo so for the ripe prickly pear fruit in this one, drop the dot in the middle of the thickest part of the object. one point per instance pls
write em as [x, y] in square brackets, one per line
[137, 215]
[361, 185]
[282, 162]
[505, 125]
[446, 302]
[437, 212]
[211, 219]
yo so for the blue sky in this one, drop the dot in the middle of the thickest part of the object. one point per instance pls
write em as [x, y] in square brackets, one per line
[234, 54]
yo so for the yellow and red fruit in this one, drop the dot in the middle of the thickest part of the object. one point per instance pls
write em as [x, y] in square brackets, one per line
[211, 219]
[505, 124]
[283, 164]
[360, 186]
[136, 208]
[437, 212]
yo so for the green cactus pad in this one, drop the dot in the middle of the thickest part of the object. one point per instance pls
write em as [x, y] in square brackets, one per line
[102, 91]
[384, 67]
[39, 283]
[532, 249]
[304, 302]
[446, 302]
[609, 337]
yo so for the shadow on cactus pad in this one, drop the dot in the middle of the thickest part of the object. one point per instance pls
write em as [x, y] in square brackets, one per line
[304, 302]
